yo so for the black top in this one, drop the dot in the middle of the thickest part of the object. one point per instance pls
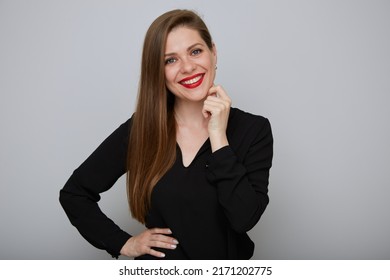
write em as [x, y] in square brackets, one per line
[209, 205]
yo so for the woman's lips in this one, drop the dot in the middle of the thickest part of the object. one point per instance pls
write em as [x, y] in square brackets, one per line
[193, 81]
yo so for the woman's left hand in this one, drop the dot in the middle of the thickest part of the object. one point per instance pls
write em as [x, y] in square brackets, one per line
[216, 108]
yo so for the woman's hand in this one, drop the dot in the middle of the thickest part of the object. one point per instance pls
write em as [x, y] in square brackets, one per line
[142, 244]
[216, 108]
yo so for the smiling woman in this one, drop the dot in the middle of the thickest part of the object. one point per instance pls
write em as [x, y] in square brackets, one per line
[197, 169]
[190, 67]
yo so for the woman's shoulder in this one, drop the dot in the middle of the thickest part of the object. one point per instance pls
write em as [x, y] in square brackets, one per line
[245, 129]
[246, 120]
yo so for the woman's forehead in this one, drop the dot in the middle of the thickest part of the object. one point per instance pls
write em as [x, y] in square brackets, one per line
[181, 38]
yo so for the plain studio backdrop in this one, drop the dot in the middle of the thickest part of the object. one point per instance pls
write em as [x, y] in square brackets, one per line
[319, 70]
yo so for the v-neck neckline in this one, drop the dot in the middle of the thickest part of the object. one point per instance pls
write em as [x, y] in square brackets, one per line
[202, 148]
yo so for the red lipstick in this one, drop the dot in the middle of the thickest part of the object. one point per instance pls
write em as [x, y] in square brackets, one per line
[193, 81]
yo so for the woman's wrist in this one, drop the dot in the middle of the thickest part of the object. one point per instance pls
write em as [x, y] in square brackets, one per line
[218, 141]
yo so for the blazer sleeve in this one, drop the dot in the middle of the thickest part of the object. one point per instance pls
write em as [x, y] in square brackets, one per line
[242, 183]
[81, 193]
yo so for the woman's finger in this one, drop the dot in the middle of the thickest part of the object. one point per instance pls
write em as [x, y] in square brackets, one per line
[163, 238]
[219, 92]
[160, 230]
[155, 253]
[217, 103]
[160, 244]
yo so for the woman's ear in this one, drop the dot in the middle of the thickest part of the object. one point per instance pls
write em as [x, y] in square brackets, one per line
[214, 50]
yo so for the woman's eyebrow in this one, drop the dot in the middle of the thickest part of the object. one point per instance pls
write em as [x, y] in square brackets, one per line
[188, 49]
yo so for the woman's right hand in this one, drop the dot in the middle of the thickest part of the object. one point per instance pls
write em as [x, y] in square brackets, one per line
[142, 243]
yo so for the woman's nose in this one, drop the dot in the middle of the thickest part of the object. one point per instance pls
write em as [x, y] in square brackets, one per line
[187, 66]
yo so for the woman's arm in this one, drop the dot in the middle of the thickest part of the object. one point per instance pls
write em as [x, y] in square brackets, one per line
[242, 184]
[80, 195]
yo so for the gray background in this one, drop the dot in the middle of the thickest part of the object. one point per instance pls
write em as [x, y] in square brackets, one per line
[319, 70]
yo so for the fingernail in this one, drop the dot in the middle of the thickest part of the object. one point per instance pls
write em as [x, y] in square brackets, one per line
[175, 241]
[169, 231]
[162, 255]
[173, 246]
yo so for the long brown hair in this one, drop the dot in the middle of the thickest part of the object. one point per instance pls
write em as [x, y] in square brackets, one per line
[152, 142]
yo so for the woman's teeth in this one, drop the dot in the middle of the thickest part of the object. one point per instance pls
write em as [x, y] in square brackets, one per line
[192, 81]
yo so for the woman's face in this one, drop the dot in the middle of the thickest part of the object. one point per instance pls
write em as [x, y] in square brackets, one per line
[189, 64]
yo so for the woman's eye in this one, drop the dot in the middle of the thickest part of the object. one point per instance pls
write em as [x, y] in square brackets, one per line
[170, 60]
[196, 52]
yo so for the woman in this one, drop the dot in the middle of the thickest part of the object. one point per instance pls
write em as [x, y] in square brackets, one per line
[197, 170]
